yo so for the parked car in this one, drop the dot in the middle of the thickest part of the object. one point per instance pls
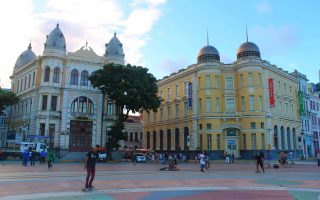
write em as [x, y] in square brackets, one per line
[141, 158]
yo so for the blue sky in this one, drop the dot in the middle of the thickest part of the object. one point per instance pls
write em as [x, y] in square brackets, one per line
[166, 35]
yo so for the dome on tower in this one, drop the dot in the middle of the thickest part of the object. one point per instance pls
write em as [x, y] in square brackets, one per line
[25, 57]
[114, 51]
[55, 42]
[114, 47]
[248, 49]
[208, 54]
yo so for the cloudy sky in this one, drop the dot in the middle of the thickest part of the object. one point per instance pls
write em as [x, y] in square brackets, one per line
[166, 35]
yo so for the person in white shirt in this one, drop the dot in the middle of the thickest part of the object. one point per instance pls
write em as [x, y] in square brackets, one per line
[202, 159]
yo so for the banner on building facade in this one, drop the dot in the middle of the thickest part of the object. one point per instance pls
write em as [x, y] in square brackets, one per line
[271, 93]
[190, 94]
[300, 98]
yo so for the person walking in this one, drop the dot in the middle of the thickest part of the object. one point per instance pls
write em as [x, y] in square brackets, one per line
[90, 166]
[202, 159]
[49, 158]
[32, 158]
[43, 155]
[259, 161]
[25, 157]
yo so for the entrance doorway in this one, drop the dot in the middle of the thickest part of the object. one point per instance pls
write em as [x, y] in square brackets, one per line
[80, 138]
[232, 147]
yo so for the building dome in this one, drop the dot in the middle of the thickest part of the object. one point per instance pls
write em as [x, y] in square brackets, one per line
[208, 54]
[25, 57]
[55, 42]
[248, 49]
[114, 51]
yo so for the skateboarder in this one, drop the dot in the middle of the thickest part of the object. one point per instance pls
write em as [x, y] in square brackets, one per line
[90, 166]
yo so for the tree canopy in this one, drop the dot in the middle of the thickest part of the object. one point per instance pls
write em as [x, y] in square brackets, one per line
[130, 86]
[7, 98]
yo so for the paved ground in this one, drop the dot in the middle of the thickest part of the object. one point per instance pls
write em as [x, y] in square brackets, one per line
[145, 181]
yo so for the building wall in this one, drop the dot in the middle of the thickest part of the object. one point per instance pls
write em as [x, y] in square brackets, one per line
[211, 117]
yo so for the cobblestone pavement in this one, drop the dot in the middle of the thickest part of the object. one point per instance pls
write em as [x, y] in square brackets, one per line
[146, 182]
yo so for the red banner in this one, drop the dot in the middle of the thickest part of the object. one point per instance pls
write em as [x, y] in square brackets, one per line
[271, 94]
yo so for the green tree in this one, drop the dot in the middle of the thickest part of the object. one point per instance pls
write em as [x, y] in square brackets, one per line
[7, 98]
[132, 88]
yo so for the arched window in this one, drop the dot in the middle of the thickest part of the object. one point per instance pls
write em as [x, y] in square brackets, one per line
[154, 139]
[56, 75]
[275, 137]
[82, 105]
[148, 140]
[84, 78]
[161, 139]
[177, 139]
[46, 74]
[169, 139]
[74, 77]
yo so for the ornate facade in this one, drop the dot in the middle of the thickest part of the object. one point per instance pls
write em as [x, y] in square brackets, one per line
[57, 101]
[237, 108]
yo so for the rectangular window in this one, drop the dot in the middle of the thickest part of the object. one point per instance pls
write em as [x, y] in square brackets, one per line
[169, 112]
[208, 85]
[251, 103]
[259, 79]
[279, 86]
[291, 108]
[216, 81]
[241, 80]
[260, 103]
[54, 101]
[209, 126]
[253, 125]
[42, 129]
[176, 94]
[280, 106]
[209, 146]
[285, 88]
[200, 104]
[253, 141]
[185, 88]
[176, 108]
[161, 94]
[229, 83]
[200, 126]
[263, 141]
[290, 90]
[161, 114]
[218, 142]
[44, 102]
[217, 104]
[262, 124]
[230, 105]
[185, 108]
[148, 117]
[244, 141]
[243, 107]
[109, 108]
[250, 79]
[154, 117]
[208, 104]
[169, 93]
[287, 108]
[33, 78]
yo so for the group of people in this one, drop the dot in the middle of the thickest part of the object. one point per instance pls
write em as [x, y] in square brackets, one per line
[204, 161]
[229, 157]
[30, 155]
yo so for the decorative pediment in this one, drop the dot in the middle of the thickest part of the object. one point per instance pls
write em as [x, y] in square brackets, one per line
[226, 126]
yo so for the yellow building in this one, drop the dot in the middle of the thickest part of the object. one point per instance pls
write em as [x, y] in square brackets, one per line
[236, 108]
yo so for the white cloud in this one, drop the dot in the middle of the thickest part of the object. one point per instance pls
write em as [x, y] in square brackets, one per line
[264, 7]
[94, 21]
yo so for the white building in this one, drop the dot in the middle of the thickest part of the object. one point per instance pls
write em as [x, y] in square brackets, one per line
[57, 101]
